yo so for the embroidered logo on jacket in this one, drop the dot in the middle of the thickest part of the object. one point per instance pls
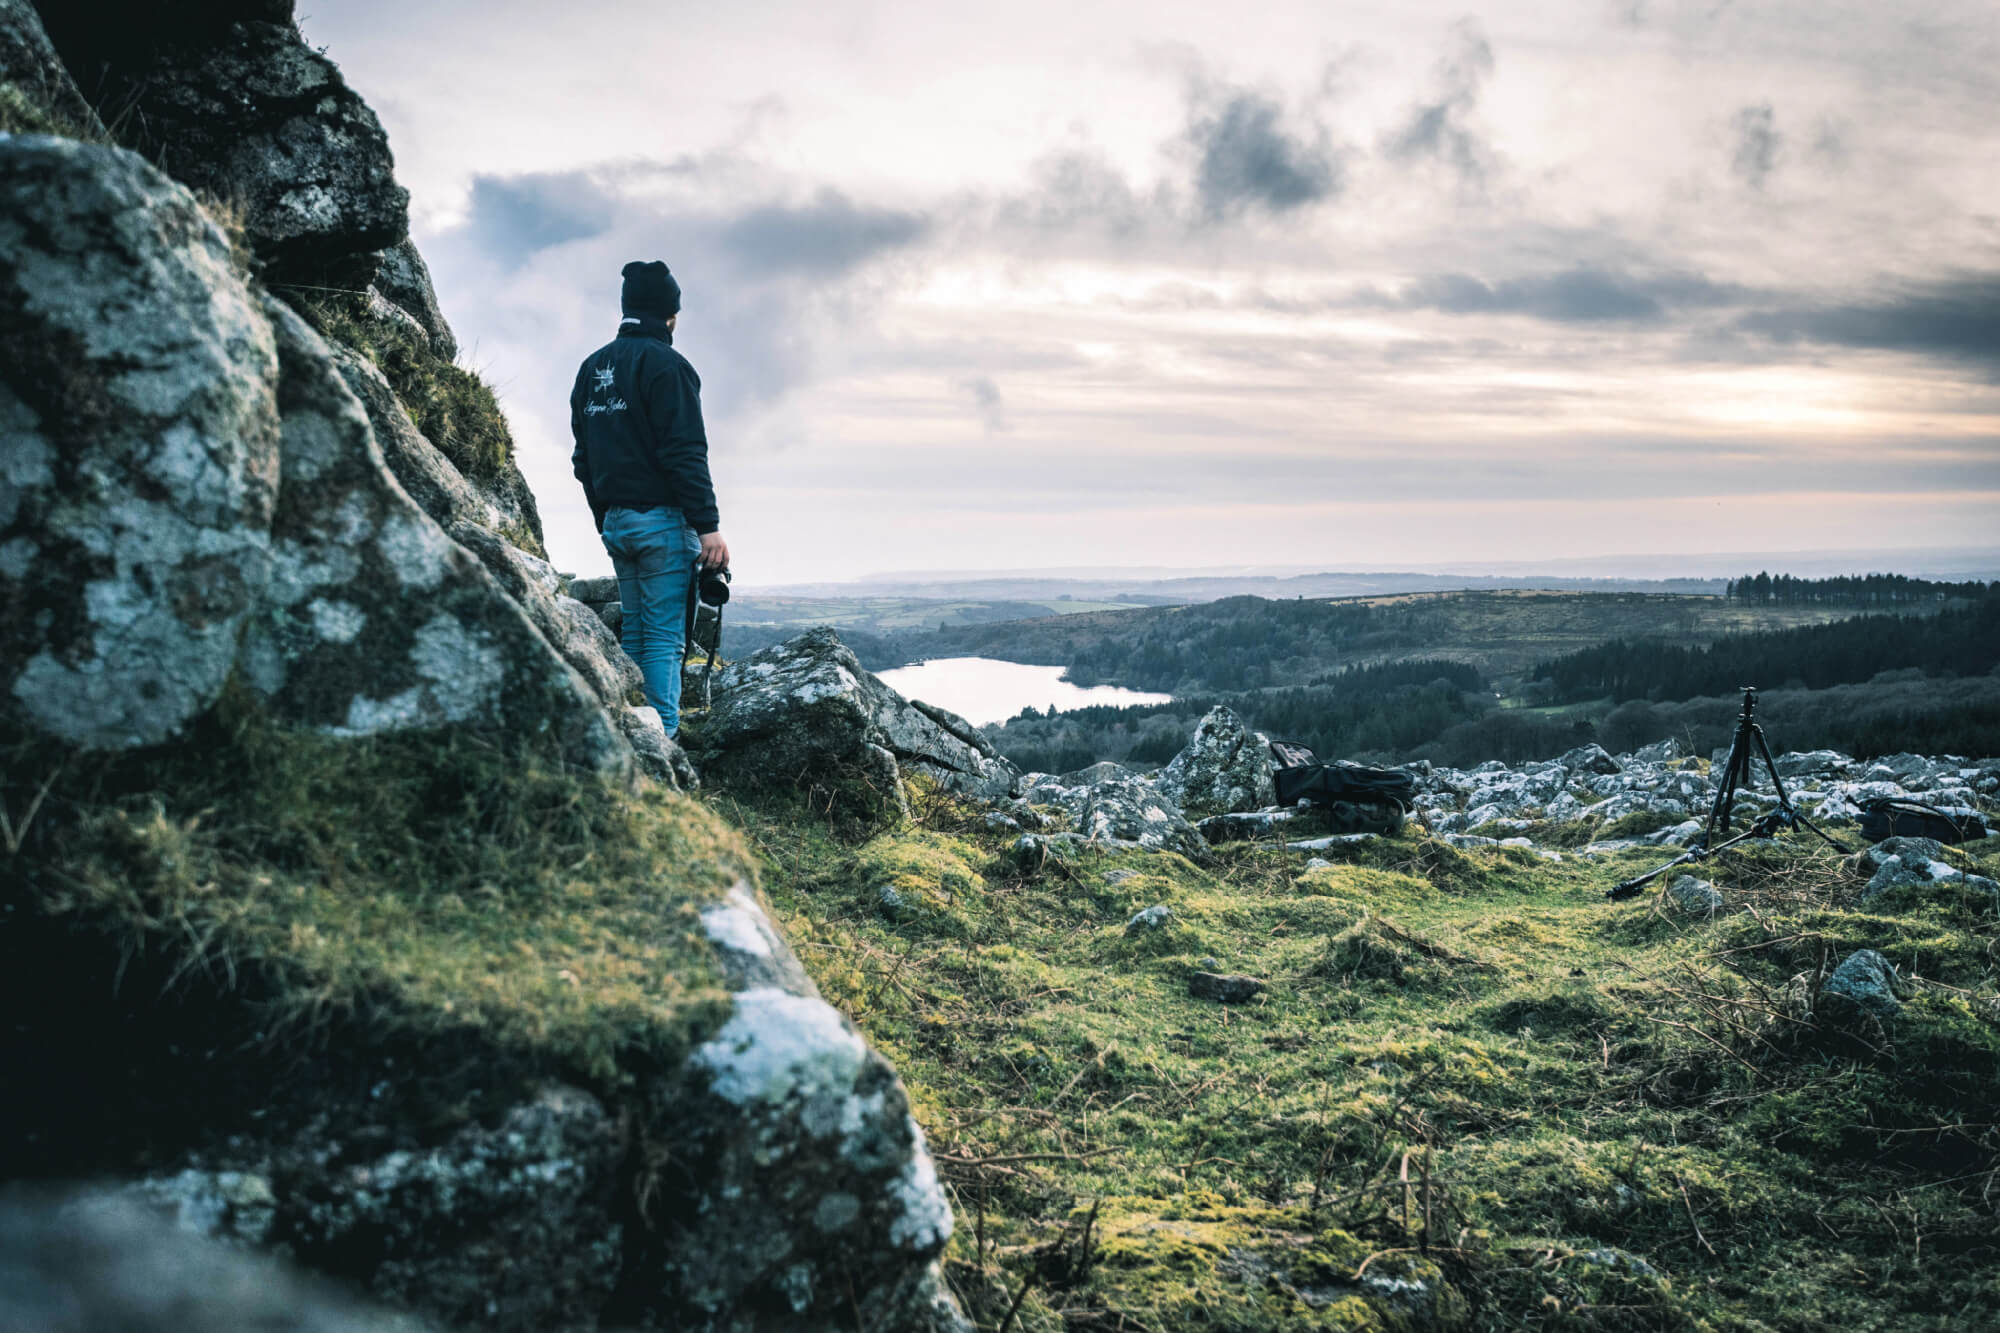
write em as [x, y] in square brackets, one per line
[601, 384]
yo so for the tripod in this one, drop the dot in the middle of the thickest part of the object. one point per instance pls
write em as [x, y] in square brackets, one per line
[1735, 774]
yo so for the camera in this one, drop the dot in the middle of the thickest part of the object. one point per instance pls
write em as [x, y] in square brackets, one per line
[713, 586]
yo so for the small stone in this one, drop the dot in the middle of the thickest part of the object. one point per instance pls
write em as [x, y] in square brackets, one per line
[1697, 897]
[1224, 987]
[1153, 918]
[1864, 983]
[1319, 863]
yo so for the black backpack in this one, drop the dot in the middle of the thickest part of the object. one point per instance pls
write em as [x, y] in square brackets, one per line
[1886, 817]
[1300, 775]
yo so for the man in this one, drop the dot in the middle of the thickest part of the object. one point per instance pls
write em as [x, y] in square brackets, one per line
[642, 456]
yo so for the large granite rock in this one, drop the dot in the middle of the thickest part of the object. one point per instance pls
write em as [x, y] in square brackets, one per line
[138, 447]
[805, 713]
[375, 620]
[1225, 769]
[509, 1226]
[230, 99]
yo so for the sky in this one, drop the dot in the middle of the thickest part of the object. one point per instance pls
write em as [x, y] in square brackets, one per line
[1353, 286]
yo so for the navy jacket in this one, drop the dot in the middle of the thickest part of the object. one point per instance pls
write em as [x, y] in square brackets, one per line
[635, 414]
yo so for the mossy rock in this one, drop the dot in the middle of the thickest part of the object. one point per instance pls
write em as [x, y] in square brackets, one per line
[916, 876]
[1197, 1263]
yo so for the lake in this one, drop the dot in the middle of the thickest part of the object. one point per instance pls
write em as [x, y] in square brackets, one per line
[982, 689]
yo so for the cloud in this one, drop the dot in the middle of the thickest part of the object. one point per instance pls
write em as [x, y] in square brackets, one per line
[1576, 295]
[1954, 320]
[1440, 130]
[986, 401]
[829, 236]
[1244, 158]
[517, 216]
[1758, 144]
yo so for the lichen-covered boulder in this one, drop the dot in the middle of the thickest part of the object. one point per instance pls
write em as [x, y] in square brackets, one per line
[138, 447]
[1226, 768]
[804, 712]
[404, 280]
[499, 508]
[230, 101]
[375, 620]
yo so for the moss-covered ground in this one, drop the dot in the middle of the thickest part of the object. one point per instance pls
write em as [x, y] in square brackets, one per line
[1474, 1093]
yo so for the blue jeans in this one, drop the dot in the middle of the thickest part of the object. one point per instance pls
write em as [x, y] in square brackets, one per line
[653, 552]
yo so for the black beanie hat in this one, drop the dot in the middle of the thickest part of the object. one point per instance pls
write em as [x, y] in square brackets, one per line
[650, 290]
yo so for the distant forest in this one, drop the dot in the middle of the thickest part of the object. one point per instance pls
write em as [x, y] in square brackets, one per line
[1868, 685]
[1952, 642]
[1378, 710]
[1865, 590]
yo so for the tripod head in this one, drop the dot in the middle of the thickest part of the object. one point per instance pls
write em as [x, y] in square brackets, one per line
[1749, 702]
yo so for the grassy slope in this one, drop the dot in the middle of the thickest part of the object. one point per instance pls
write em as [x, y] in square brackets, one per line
[1568, 1075]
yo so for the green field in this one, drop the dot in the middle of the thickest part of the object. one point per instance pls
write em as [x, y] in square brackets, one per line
[1513, 1105]
[890, 614]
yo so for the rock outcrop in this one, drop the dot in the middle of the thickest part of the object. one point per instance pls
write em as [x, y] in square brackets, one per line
[673, 1130]
[230, 99]
[805, 713]
[1916, 863]
[374, 619]
[1225, 769]
[194, 489]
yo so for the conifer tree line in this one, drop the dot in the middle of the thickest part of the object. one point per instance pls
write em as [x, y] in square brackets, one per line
[1883, 590]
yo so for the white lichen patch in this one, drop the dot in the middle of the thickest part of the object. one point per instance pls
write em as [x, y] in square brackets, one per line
[336, 621]
[416, 549]
[738, 924]
[923, 1218]
[464, 671]
[776, 1045]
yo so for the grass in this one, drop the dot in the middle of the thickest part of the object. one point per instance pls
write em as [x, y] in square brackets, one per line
[1473, 1094]
[450, 405]
[432, 881]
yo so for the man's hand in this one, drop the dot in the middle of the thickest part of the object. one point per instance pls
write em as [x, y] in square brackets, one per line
[714, 551]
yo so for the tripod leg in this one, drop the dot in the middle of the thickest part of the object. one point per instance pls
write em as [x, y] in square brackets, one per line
[1764, 748]
[1737, 764]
